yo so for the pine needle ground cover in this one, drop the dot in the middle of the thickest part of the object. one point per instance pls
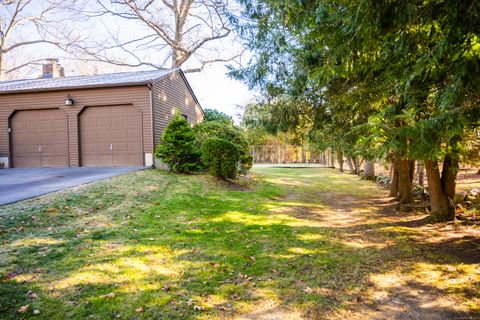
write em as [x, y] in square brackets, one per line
[286, 243]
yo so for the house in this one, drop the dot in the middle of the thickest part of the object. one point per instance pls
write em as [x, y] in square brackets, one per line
[102, 120]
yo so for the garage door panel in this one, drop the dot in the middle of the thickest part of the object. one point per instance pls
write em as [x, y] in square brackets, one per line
[103, 146]
[134, 134]
[58, 123]
[106, 111]
[30, 124]
[120, 158]
[102, 127]
[89, 158]
[89, 148]
[134, 149]
[46, 136]
[19, 139]
[45, 124]
[32, 137]
[102, 133]
[20, 123]
[103, 122]
[39, 138]
[31, 149]
[59, 149]
[88, 134]
[104, 160]
[49, 150]
[134, 122]
[119, 122]
[31, 161]
[119, 133]
[48, 161]
[21, 149]
[119, 147]
[60, 137]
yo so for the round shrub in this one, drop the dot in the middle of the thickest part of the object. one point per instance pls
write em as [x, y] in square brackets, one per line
[178, 149]
[246, 162]
[221, 157]
[222, 130]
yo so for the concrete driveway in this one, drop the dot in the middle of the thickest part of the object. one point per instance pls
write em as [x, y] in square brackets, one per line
[24, 183]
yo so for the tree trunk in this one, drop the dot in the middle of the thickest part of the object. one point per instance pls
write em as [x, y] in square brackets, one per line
[420, 170]
[370, 170]
[412, 170]
[394, 186]
[332, 158]
[441, 207]
[350, 164]
[356, 165]
[3, 71]
[404, 183]
[340, 160]
[449, 176]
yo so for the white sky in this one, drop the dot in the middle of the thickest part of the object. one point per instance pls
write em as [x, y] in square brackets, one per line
[215, 90]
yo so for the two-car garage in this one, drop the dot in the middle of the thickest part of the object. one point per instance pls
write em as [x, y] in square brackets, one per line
[109, 120]
[109, 136]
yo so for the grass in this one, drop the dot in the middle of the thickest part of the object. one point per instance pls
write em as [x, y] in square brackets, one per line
[155, 245]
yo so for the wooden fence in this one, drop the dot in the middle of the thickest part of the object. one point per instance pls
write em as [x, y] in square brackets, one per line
[289, 154]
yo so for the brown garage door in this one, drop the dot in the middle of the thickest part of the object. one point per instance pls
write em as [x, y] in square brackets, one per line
[39, 138]
[111, 136]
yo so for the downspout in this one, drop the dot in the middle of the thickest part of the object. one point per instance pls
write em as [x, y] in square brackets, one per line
[150, 87]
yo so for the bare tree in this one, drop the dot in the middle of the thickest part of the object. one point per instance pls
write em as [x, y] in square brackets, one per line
[174, 31]
[23, 25]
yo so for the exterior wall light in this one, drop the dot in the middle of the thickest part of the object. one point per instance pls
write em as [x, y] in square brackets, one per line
[69, 100]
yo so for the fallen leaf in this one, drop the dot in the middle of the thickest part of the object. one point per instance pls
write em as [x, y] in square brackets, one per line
[139, 310]
[166, 287]
[23, 309]
[198, 308]
[111, 295]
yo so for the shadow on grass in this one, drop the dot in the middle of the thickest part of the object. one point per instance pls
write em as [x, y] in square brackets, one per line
[171, 246]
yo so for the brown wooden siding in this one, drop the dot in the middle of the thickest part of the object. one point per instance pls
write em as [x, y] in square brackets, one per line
[169, 95]
[139, 96]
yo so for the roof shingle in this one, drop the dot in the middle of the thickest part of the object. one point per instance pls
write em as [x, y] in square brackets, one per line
[101, 80]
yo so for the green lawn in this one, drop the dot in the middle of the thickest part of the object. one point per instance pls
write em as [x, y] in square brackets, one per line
[296, 243]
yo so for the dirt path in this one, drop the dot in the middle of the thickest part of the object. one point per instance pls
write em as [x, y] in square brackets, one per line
[401, 293]
[412, 269]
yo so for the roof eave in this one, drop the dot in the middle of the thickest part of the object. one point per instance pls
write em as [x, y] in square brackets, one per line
[130, 84]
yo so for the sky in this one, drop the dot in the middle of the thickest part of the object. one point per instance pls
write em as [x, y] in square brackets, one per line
[215, 90]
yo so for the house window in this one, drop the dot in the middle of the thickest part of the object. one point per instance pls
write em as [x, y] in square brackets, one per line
[184, 116]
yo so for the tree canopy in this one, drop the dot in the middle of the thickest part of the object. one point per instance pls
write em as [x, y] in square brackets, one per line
[390, 79]
[215, 115]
